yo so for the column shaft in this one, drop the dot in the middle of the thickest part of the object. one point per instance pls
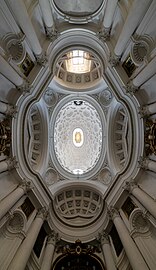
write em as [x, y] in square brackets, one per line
[151, 165]
[151, 108]
[110, 265]
[110, 9]
[48, 256]
[10, 73]
[145, 200]
[4, 107]
[3, 166]
[25, 23]
[47, 14]
[22, 255]
[10, 200]
[133, 19]
[146, 73]
[133, 254]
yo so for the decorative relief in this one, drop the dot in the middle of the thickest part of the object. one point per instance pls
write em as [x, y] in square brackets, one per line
[150, 137]
[78, 248]
[51, 176]
[105, 176]
[5, 137]
[105, 97]
[50, 97]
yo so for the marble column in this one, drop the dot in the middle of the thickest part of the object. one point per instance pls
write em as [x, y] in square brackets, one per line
[22, 255]
[107, 253]
[135, 258]
[20, 11]
[9, 72]
[133, 19]
[7, 203]
[145, 73]
[49, 252]
[47, 14]
[109, 13]
[142, 197]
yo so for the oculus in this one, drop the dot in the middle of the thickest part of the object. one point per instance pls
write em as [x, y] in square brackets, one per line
[78, 137]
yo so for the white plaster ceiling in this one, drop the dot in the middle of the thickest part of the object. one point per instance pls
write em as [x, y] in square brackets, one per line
[77, 160]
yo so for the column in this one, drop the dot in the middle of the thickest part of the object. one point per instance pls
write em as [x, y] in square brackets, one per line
[9, 72]
[142, 197]
[49, 252]
[145, 73]
[47, 14]
[151, 165]
[6, 108]
[7, 164]
[22, 255]
[133, 19]
[106, 248]
[109, 13]
[25, 23]
[150, 109]
[7, 203]
[147, 164]
[135, 258]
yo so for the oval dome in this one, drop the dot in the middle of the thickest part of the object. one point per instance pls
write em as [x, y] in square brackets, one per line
[77, 138]
[77, 7]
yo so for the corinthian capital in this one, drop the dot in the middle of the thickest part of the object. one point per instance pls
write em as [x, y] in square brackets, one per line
[53, 238]
[103, 237]
[113, 212]
[42, 213]
[129, 186]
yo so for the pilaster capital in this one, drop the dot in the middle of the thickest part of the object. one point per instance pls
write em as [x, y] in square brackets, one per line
[129, 186]
[113, 213]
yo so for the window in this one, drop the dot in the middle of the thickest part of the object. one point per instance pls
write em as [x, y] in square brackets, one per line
[116, 240]
[27, 207]
[78, 61]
